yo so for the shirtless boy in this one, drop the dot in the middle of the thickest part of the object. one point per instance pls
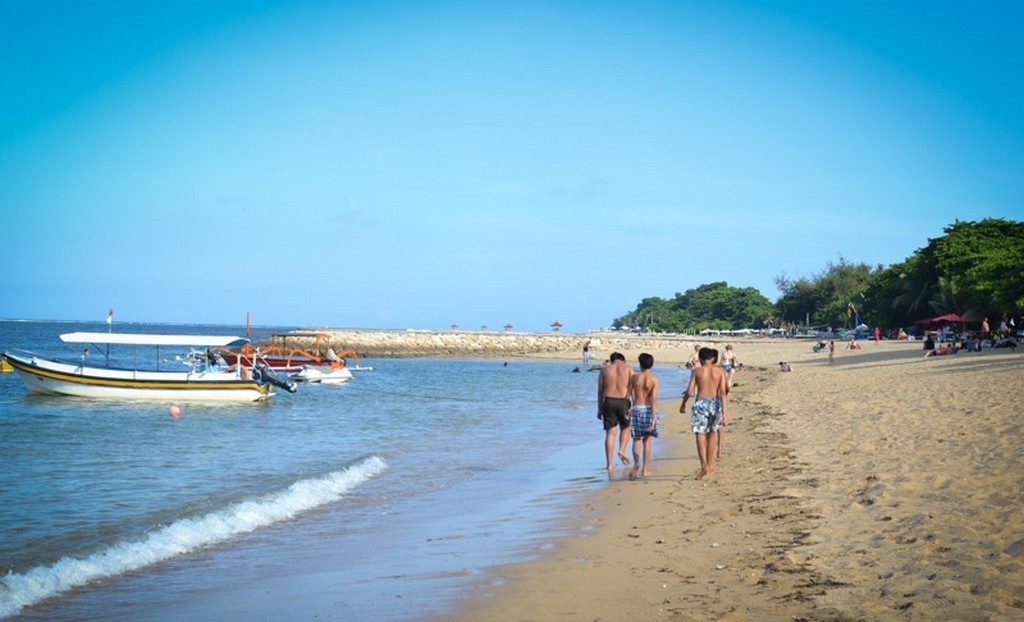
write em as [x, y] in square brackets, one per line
[708, 386]
[613, 406]
[643, 416]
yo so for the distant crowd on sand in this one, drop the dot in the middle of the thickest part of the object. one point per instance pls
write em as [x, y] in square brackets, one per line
[950, 338]
[627, 404]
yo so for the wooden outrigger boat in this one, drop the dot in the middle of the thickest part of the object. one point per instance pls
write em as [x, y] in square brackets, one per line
[280, 357]
[201, 381]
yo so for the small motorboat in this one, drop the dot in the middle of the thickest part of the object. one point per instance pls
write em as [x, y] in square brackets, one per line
[323, 374]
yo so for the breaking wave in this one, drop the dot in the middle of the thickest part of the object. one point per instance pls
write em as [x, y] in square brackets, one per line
[18, 591]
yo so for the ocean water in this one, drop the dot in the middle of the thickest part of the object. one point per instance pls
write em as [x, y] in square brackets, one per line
[388, 497]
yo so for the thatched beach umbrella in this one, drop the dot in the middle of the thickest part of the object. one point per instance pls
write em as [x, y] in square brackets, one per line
[555, 326]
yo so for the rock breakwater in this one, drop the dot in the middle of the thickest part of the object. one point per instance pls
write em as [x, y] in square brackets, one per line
[398, 343]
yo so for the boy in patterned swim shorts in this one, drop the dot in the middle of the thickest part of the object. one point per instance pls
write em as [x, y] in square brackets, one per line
[643, 416]
[709, 388]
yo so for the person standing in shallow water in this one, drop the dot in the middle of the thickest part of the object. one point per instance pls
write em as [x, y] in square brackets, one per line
[643, 416]
[613, 406]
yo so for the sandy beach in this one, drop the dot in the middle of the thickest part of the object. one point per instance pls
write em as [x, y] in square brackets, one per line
[885, 486]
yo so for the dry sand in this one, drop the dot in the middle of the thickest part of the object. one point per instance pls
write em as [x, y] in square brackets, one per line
[885, 486]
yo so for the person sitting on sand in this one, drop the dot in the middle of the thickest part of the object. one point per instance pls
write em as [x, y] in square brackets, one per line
[1007, 342]
[709, 389]
[785, 366]
[942, 350]
[643, 416]
[853, 345]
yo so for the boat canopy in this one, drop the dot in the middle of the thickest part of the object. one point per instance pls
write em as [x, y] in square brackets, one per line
[138, 339]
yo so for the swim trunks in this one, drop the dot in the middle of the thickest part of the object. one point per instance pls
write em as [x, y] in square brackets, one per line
[727, 367]
[707, 412]
[615, 412]
[640, 418]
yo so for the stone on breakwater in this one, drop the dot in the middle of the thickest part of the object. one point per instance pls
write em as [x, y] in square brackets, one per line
[391, 343]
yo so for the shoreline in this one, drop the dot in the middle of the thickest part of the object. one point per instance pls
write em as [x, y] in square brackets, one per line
[842, 495]
[668, 545]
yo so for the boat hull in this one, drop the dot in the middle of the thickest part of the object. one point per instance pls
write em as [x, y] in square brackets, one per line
[46, 377]
[323, 374]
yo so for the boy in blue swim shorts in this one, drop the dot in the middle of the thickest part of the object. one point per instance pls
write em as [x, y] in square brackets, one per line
[709, 388]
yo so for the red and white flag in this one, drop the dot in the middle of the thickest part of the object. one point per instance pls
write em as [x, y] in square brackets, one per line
[110, 316]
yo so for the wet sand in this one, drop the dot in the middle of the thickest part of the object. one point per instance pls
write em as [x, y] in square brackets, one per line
[885, 486]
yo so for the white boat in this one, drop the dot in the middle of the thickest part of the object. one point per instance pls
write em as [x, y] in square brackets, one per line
[323, 374]
[199, 381]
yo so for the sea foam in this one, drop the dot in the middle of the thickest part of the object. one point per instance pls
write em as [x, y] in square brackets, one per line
[18, 591]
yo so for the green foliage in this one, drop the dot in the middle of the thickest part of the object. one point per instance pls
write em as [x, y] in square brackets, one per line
[825, 296]
[975, 267]
[713, 305]
[982, 265]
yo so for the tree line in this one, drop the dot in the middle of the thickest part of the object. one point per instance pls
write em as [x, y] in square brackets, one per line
[975, 269]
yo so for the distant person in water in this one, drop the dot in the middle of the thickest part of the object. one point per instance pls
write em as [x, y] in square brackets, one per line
[586, 351]
[643, 416]
[709, 391]
[613, 406]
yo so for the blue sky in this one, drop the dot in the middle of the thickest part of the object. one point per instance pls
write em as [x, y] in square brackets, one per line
[422, 164]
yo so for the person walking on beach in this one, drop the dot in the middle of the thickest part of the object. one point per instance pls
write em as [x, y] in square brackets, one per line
[613, 406]
[729, 363]
[694, 361]
[643, 416]
[709, 391]
[831, 352]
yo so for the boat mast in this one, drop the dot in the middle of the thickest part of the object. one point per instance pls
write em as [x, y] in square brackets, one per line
[110, 328]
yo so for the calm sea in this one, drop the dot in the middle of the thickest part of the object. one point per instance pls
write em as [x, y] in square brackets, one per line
[384, 498]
